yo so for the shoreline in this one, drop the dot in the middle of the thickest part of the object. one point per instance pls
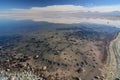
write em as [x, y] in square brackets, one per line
[111, 63]
[109, 43]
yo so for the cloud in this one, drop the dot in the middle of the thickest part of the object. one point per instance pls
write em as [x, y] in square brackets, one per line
[72, 20]
[105, 8]
[67, 14]
[69, 8]
[54, 8]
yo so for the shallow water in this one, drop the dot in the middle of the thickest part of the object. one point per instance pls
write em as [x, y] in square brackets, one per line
[29, 37]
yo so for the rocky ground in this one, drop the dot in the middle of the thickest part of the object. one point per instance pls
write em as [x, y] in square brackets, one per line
[55, 54]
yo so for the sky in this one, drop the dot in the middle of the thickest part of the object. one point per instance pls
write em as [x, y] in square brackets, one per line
[18, 7]
[61, 11]
[7, 4]
[75, 5]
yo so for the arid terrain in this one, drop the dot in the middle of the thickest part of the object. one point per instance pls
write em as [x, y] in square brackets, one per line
[58, 53]
[113, 60]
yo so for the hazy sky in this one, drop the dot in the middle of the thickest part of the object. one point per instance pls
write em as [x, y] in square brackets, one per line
[57, 5]
[7, 4]
[42, 7]
[62, 11]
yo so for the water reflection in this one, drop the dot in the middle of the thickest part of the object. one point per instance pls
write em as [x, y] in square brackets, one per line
[70, 18]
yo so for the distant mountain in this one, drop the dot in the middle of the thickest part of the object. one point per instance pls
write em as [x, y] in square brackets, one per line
[113, 13]
[109, 13]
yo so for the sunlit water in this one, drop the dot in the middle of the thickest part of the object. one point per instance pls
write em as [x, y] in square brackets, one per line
[22, 23]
